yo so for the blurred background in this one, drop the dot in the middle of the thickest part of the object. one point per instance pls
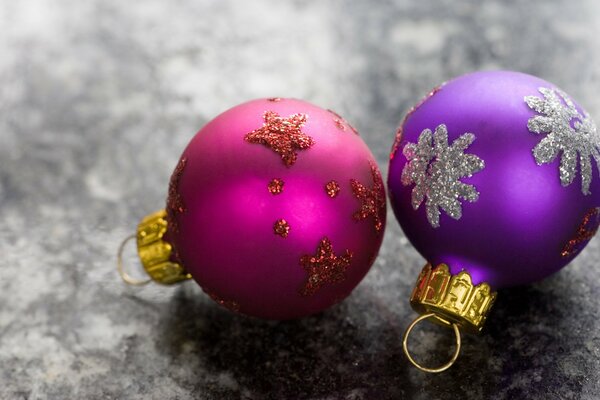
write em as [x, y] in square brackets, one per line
[99, 98]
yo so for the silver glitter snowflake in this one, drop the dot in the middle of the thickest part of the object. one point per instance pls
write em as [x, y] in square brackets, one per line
[568, 131]
[435, 168]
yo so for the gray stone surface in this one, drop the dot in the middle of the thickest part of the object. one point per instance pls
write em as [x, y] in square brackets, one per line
[98, 99]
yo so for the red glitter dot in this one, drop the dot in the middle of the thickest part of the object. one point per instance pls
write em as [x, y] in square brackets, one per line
[276, 186]
[281, 228]
[332, 188]
[341, 123]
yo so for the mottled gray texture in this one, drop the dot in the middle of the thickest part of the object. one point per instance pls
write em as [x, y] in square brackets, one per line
[99, 98]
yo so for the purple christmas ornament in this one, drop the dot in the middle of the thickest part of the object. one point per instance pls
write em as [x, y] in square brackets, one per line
[276, 209]
[494, 179]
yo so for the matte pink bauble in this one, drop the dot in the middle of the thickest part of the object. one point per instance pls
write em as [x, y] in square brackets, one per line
[276, 209]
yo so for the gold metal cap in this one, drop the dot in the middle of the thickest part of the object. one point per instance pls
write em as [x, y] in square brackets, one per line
[448, 300]
[452, 299]
[154, 252]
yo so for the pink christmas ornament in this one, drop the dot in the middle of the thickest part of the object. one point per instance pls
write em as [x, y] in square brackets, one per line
[276, 209]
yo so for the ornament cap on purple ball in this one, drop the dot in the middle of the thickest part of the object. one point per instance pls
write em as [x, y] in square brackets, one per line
[276, 209]
[494, 178]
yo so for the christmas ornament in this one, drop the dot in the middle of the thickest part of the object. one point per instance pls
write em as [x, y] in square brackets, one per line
[494, 179]
[276, 209]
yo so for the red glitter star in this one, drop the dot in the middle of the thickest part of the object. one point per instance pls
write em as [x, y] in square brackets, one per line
[372, 199]
[282, 135]
[586, 231]
[410, 112]
[174, 199]
[324, 267]
[397, 141]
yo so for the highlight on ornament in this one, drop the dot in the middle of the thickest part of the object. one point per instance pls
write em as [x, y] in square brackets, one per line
[276, 209]
[494, 178]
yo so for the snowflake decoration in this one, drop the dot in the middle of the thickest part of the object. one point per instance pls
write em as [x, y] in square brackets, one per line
[568, 131]
[435, 168]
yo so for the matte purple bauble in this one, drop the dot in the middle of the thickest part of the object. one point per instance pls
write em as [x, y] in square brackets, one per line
[277, 208]
[512, 194]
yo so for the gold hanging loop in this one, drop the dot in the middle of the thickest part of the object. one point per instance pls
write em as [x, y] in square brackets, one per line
[409, 330]
[124, 275]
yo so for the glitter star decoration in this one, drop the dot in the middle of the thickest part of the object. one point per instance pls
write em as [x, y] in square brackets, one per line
[567, 131]
[175, 202]
[282, 135]
[174, 199]
[435, 168]
[324, 267]
[397, 140]
[587, 230]
[410, 112]
[372, 199]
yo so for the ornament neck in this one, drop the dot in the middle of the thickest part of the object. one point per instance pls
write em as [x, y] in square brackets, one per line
[155, 253]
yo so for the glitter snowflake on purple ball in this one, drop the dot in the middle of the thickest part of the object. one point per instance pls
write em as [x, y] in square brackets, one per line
[567, 130]
[435, 168]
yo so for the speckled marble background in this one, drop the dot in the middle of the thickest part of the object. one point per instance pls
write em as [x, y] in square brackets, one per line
[99, 98]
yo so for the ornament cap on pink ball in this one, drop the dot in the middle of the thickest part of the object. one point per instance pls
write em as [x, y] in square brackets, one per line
[494, 179]
[276, 209]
